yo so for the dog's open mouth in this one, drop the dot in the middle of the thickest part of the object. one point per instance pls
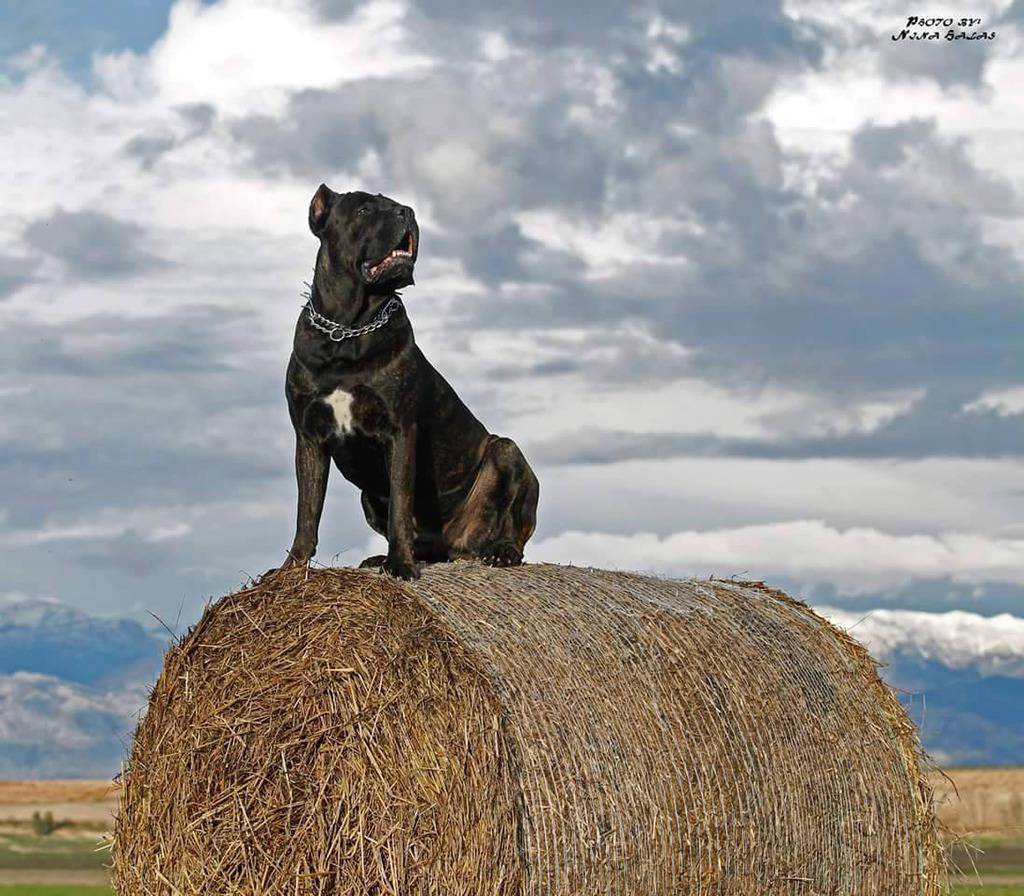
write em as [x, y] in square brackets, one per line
[403, 251]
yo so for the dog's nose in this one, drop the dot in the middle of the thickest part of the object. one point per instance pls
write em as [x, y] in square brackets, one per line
[404, 213]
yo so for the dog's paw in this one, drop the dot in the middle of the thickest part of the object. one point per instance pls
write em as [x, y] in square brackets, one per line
[401, 569]
[374, 562]
[298, 556]
[501, 553]
[291, 561]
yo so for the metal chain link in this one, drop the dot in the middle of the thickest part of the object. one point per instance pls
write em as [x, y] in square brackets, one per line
[337, 332]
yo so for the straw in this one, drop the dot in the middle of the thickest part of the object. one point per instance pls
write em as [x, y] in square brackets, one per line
[535, 730]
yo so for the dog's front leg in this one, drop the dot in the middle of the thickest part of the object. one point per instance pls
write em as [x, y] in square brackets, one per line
[400, 561]
[312, 466]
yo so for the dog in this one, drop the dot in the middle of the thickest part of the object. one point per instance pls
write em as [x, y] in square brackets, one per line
[360, 392]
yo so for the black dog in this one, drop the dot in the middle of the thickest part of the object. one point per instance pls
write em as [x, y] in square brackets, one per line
[360, 392]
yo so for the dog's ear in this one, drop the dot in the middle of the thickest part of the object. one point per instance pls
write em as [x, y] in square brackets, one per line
[320, 207]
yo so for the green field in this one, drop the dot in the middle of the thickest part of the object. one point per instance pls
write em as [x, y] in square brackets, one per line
[26, 858]
[26, 851]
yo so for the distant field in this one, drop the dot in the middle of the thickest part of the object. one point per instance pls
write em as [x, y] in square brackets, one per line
[981, 801]
[84, 805]
[70, 860]
[44, 890]
[71, 791]
[986, 890]
[982, 810]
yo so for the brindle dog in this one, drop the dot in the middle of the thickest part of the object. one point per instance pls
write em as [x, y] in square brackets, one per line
[434, 481]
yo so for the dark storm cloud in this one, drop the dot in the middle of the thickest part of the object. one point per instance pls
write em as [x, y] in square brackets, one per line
[516, 123]
[196, 340]
[468, 148]
[163, 409]
[948, 63]
[200, 115]
[92, 244]
[323, 130]
[497, 251]
[1014, 12]
[885, 318]
[880, 279]
[127, 553]
[143, 424]
[445, 24]
[537, 23]
[931, 429]
[928, 595]
[713, 28]
[15, 272]
[150, 148]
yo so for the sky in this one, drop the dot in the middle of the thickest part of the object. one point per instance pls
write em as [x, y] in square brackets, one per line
[743, 279]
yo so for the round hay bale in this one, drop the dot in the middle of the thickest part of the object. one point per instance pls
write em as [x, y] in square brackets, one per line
[538, 730]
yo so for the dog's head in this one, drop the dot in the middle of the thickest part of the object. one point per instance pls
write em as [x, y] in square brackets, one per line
[371, 237]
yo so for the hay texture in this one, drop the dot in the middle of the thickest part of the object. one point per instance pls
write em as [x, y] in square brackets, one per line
[539, 730]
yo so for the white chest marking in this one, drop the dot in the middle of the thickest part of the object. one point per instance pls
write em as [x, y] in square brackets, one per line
[340, 403]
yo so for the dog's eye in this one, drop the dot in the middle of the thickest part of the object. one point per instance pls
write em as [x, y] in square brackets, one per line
[365, 210]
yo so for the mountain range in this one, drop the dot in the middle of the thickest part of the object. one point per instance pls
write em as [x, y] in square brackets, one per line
[71, 688]
[72, 685]
[960, 675]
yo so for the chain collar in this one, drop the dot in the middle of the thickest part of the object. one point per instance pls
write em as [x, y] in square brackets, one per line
[337, 332]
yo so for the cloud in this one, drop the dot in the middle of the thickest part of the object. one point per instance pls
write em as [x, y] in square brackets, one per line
[870, 277]
[865, 30]
[949, 63]
[286, 48]
[1014, 12]
[880, 281]
[75, 32]
[715, 166]
[420, 135]
[190, 123]
[48, 726]
[934, 426]
[92, 244]
[173, 407]
[810, 552]
[685, 255]
[697, 30]
[15, 272]
[957, 639]
[1005, 402]
[138, 522]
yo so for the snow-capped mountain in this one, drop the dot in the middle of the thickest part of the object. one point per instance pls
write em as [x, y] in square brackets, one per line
[71, 686]
[960, 675]
[46, 636]
[990, 645]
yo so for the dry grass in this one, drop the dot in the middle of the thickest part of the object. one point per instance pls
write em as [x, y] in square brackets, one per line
[541, 730]
[14, 793]
[981, 801]
[90, 804]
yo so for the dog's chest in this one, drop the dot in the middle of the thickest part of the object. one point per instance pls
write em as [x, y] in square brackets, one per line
[340, 403]
[342, 413]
